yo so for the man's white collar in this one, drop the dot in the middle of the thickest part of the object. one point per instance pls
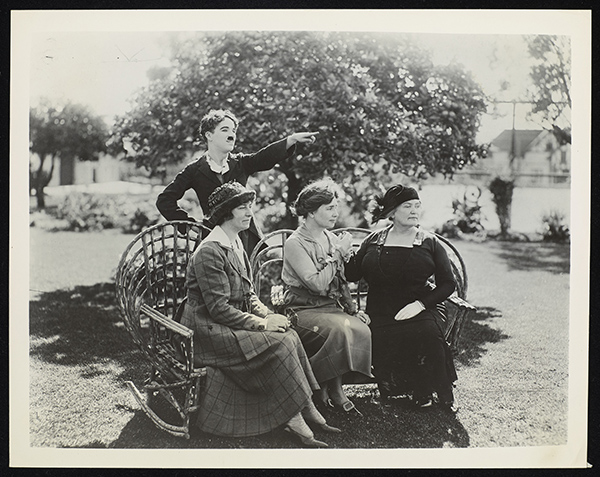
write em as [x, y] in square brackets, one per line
[216, 168]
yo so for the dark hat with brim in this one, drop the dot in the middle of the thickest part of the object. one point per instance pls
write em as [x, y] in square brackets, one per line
[394, 196]
[227, 197]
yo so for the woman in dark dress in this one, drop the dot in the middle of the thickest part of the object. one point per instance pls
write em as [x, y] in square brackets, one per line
[258, 374]
[410, 354]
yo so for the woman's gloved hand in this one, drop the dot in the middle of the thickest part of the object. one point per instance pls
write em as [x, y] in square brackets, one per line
[277, 322]
[410, 310]
[362, 316]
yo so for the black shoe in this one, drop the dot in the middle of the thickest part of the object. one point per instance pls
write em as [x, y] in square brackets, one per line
[347, 407]
[384, 394]
[423, 401]
[323, 406]
[449, 407]
[445, 395]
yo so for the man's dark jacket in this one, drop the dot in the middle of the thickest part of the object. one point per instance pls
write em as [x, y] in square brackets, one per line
[198, 176]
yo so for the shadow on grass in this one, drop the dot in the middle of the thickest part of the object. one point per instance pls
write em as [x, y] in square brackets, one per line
[396, 425]
[549, 257]
[82, 328]
[476, 333]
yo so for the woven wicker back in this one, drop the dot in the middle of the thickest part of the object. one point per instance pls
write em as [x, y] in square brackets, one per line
[267, 260]
[458, 267]
[152, 271]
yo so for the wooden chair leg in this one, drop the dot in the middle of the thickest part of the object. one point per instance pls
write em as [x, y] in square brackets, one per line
[461, 315]
[179, 431]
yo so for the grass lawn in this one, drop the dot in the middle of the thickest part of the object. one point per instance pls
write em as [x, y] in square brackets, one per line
[512, 364]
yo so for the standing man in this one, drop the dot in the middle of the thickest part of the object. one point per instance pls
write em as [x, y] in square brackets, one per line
[218, 165]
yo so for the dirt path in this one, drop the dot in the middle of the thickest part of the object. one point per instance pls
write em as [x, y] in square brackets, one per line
[517, 394]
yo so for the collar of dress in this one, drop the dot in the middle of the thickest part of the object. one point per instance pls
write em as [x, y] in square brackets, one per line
[217, 234]
[305, 234]
[383, 236]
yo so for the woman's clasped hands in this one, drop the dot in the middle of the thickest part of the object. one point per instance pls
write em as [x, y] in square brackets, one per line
[344, 244]
[277, 322]
[410, 310]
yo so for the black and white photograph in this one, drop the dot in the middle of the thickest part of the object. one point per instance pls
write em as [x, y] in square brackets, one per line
[268, 241]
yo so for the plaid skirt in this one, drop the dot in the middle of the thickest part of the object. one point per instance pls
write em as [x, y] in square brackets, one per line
[256, 396]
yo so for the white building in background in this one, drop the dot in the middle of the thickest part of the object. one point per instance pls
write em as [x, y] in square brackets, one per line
[539, 159]
[542, 172]
[74, 171]
[106, 169]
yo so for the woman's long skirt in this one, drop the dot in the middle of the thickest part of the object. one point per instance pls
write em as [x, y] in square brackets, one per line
[412, 357]
[337, 344]
[258, 395]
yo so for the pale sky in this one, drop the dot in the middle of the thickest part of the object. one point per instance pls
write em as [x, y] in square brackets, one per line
[104, 69]
[101, 70]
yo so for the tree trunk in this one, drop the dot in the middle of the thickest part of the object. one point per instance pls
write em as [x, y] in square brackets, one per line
[502, 190]
[38, 184]
[39, 195]
[42, 180]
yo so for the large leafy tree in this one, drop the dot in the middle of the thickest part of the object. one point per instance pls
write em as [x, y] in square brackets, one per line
[549, 94]
[551, 89]
[67, 131]
[379, 104]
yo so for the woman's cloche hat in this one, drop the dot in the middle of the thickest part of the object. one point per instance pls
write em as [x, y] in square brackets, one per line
[227, 197]
[381, 207]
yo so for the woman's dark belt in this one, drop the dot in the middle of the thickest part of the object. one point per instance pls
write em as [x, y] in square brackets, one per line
[302, 297]
[304, 292]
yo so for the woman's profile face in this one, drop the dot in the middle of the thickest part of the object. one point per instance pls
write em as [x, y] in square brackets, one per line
[242, 216]
[408, 213]
[327, 214]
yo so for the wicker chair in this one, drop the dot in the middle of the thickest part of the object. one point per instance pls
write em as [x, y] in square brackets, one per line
[150, 284]
[267, 259]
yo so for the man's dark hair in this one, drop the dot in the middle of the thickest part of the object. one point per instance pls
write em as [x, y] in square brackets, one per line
[212, 118]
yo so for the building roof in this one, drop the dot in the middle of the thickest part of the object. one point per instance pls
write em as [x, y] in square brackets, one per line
[523, 140]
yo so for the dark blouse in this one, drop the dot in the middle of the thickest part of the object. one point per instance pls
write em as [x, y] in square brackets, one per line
[398, 276]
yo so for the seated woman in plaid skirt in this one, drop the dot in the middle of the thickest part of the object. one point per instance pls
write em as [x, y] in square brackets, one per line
[258, 374]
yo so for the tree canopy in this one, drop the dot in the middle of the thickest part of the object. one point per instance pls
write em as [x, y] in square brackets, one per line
[551, 90]
[377, 100]
[67, 131]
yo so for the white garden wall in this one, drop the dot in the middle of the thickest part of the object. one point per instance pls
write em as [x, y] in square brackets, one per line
[528, 206]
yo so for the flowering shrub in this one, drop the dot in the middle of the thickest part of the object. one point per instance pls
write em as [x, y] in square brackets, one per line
[81, 212]
[553, 228]
[138, 215]
[467, 216]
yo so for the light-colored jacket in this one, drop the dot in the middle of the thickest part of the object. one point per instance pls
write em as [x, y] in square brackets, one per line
[307, 265]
